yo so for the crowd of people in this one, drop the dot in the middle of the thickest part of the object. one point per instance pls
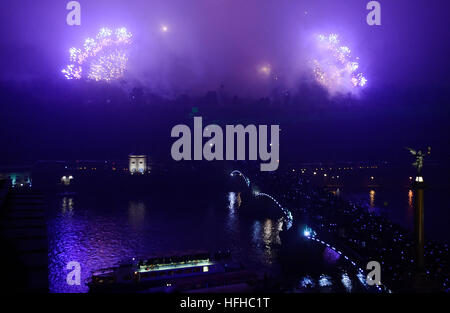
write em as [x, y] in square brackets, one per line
[361, 233]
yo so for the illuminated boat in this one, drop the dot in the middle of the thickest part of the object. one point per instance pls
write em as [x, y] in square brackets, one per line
[178, 272]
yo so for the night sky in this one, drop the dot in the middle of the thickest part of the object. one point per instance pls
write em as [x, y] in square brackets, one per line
[209, 43]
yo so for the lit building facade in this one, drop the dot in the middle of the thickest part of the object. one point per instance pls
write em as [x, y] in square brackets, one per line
[137, 163]
[17, 178]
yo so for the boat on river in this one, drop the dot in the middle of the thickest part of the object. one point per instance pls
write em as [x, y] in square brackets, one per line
[179, 272]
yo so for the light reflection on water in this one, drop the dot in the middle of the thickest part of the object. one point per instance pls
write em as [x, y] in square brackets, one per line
[410, 204]
[94, 243]
[136, 214]
[67, 205]
[100, 233]
[397, 205]
[372, 199]
[266, 239]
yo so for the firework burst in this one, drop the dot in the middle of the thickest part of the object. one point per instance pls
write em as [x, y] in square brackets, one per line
[334, 67]
[101, 59]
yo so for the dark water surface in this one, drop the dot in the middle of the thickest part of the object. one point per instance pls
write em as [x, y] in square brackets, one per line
[397, 204]
[102, 229]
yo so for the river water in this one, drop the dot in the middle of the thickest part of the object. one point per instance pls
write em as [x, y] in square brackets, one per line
[397, 204]
[104, 229]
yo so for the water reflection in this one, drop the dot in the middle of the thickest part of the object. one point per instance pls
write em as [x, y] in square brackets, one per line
[67, 206]
[256, 234]
[410, 203]
[372, 199]
[232, 222]
[103, 231]
[92, 240]
[231, 201]
[266, 238]
[136, 214]
[267, 232]
[336, 192]
[234, 201]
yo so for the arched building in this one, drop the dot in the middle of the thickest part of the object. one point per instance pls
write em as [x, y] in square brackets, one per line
[137, 163]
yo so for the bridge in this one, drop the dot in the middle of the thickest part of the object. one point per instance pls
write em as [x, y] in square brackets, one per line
[236, 172]
[310, 234]
[287, 214]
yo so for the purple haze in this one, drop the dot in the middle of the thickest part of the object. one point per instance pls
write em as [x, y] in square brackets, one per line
[209, 43]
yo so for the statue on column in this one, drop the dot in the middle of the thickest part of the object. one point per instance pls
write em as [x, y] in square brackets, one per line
[419, 155]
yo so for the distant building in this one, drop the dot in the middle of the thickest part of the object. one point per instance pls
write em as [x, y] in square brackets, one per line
[137, 163]
[17, 177]
[65, 180]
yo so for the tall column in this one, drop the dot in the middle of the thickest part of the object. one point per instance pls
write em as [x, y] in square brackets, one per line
[419, 187]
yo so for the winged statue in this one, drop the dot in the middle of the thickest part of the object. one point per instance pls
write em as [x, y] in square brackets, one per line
[419, 156]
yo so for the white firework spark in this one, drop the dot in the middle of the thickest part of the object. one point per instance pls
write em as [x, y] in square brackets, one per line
[103, 58]
[334, 67]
